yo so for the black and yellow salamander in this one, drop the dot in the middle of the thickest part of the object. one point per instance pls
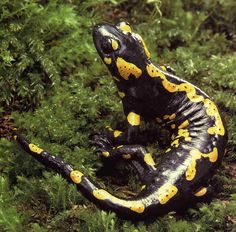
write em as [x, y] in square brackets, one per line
[151, 93]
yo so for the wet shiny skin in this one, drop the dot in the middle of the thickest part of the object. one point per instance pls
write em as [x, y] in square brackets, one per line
[198, 134]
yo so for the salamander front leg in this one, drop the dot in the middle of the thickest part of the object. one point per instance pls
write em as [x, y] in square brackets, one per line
[203, 194]
[117, 137]
[137, 155]
[106, 137]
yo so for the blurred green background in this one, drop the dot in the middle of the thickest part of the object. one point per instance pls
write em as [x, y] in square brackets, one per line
[57, 90]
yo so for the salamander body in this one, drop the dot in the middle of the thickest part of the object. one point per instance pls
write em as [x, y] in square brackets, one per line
[151, 93]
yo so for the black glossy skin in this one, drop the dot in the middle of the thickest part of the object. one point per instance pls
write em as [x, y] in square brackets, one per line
[199, 136]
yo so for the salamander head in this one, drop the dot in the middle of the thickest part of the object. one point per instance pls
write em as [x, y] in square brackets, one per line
[123, 51]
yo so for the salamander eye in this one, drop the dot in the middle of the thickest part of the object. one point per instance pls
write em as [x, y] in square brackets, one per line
[109, 45]
[106, 46]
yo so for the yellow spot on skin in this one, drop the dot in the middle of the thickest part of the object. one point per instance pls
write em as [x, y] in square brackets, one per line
[143, 187]
[107, 60]
[121, 94]
[195, 154]
[166, 192]
[181, 133]
[133, 119]
[126, 69]
[105, 153]
[175, 143]
[117, 133]
[101, 194]
[191, 171]
[139, 208]
[190, 92]
[212, 110]
[169, 117]
[163, 68]
[171, 87]
[136, 206]
[168, 150]
[148, 159]
[154, 72]
[76, 176]
[213, 156]
[35, 149]
[201, 192]
[120, 146]
[124, 27]
[126, 156]
[148, 54]
[184, 124]
[114, 44]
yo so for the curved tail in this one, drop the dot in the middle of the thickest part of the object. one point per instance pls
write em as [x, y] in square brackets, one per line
[156, 199]
[128, 208]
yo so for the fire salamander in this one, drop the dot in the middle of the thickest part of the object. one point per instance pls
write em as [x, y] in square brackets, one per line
[150, 92]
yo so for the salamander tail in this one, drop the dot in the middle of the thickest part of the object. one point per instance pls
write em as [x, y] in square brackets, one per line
[127, 208]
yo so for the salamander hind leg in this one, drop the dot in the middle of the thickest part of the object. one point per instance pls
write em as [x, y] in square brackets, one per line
[107, 136]
[203, 194]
